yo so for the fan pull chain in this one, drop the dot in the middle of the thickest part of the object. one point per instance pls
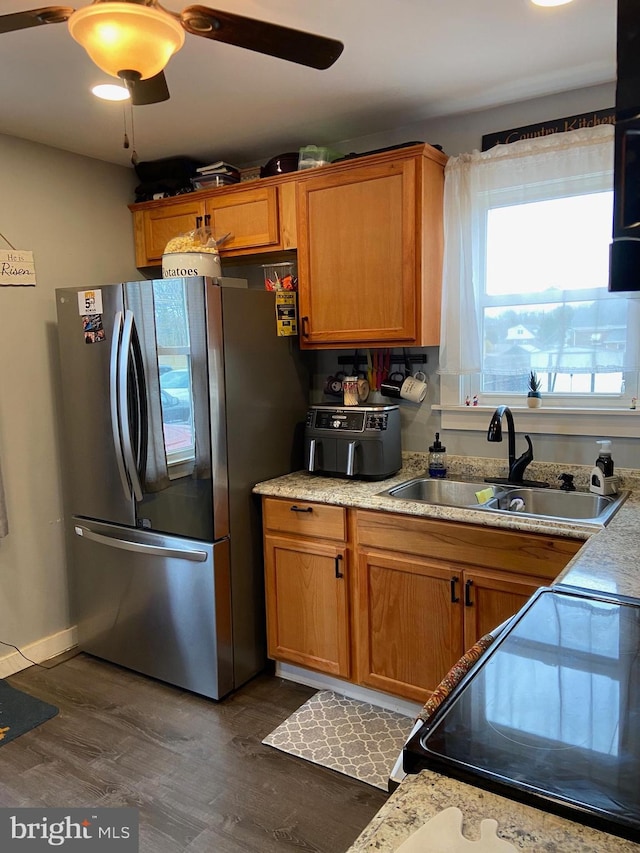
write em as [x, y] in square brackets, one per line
[125, 143]
[134, 154]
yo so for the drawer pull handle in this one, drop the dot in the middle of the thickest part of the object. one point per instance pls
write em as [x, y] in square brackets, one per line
[339, 574]
[295, 508]
[467, 594]
[454, 598]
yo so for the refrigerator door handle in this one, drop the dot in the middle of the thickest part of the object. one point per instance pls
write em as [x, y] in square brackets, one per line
[113, 399]
[194, 555]
[123, 397]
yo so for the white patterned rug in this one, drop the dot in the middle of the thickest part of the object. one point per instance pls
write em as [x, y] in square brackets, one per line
[352, 737]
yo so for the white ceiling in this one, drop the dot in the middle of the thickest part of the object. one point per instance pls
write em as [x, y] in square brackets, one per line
[404, 61]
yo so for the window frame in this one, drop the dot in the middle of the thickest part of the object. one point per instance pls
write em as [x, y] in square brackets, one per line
[559, 410]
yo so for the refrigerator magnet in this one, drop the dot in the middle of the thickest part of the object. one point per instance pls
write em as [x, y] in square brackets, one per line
[89, 302]
[286, 313]
[92, 328]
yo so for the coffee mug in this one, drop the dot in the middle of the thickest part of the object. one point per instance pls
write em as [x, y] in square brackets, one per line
[333, 385]
[414, 388]
[350, 391]
[391, 386]
[363, 389]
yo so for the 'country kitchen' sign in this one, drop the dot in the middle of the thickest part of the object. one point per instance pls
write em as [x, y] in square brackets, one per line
[544, 128]
[17, 268]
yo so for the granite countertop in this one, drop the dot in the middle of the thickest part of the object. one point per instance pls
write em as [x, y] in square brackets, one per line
[421, 797]
[607, 562]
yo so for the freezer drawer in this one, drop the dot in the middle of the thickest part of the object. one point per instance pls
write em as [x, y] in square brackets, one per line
[160, 605]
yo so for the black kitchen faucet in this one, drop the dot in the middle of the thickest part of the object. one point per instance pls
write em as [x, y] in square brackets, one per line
[516, 466]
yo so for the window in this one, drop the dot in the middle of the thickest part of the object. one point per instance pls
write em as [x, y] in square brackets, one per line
[545, 305]
[527, 234]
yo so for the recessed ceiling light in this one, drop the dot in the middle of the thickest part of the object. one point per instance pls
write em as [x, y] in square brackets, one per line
[111, 92]
[550, 2]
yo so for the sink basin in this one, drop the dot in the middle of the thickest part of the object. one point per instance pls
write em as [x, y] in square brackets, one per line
[554, 503]
[585, 507]
[444, 492]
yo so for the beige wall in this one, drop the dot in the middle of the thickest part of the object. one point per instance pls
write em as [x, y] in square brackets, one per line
[72, 213]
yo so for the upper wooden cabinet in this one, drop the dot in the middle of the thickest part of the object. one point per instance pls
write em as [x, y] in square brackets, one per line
[153, 227]
[370, 242]
[259, 217]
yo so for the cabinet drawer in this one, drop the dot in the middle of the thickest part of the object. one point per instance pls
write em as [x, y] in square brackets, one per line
[524, 553]
[305, 518]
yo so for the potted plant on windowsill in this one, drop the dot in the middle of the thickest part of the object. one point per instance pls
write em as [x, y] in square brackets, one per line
[534, 397]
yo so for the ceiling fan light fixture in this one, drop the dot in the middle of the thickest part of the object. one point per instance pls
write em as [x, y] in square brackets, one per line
[111, 92]
[550, 2]
[127, 37]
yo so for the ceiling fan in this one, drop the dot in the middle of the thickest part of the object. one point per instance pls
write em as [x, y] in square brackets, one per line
[134, 39]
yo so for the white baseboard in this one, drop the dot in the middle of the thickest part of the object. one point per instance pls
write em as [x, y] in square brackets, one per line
[41, 650]
[345, 688]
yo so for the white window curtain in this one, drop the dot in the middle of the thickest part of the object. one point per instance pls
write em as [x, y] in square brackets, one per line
[575, 162]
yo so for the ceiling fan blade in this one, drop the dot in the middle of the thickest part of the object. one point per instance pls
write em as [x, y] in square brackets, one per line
[35, 17]
[272, 39]
[153, 90]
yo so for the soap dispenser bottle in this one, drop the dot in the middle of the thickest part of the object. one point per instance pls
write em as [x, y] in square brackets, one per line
[603, 481]
[604, 461]
[437, 459]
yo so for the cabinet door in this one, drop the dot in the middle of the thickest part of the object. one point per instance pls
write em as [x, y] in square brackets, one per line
[490, 598]
[250, 216]
[307, 604]
[358, 264]
[154, 228]
[409, 623]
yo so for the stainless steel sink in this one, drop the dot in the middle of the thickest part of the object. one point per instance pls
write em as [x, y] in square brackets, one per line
[585, 507]
[443, 492]
[554, 503]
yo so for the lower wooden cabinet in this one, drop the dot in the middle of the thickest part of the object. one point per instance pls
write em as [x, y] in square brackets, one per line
[393, 604]
[416, 617]
[408, 634]
[306, 582]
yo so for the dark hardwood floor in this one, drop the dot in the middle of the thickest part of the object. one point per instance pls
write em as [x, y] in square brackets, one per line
[196, 769]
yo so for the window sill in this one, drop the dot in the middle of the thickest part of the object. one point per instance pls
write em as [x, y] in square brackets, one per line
[548, 421]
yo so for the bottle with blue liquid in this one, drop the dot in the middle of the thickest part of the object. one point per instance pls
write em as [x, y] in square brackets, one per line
[437, 459]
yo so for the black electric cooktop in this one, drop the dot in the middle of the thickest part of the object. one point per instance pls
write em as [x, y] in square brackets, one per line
[550, 716]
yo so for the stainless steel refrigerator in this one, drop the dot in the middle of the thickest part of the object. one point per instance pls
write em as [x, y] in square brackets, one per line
[178, 396]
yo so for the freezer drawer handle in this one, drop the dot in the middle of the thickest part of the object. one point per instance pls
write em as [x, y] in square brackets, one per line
[140, 548]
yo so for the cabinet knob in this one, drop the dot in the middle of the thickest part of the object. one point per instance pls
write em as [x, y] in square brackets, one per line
[304, 326]
[339, 574]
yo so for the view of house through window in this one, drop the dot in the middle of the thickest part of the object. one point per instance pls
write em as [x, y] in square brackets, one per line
[174, 364]
[545, 305]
